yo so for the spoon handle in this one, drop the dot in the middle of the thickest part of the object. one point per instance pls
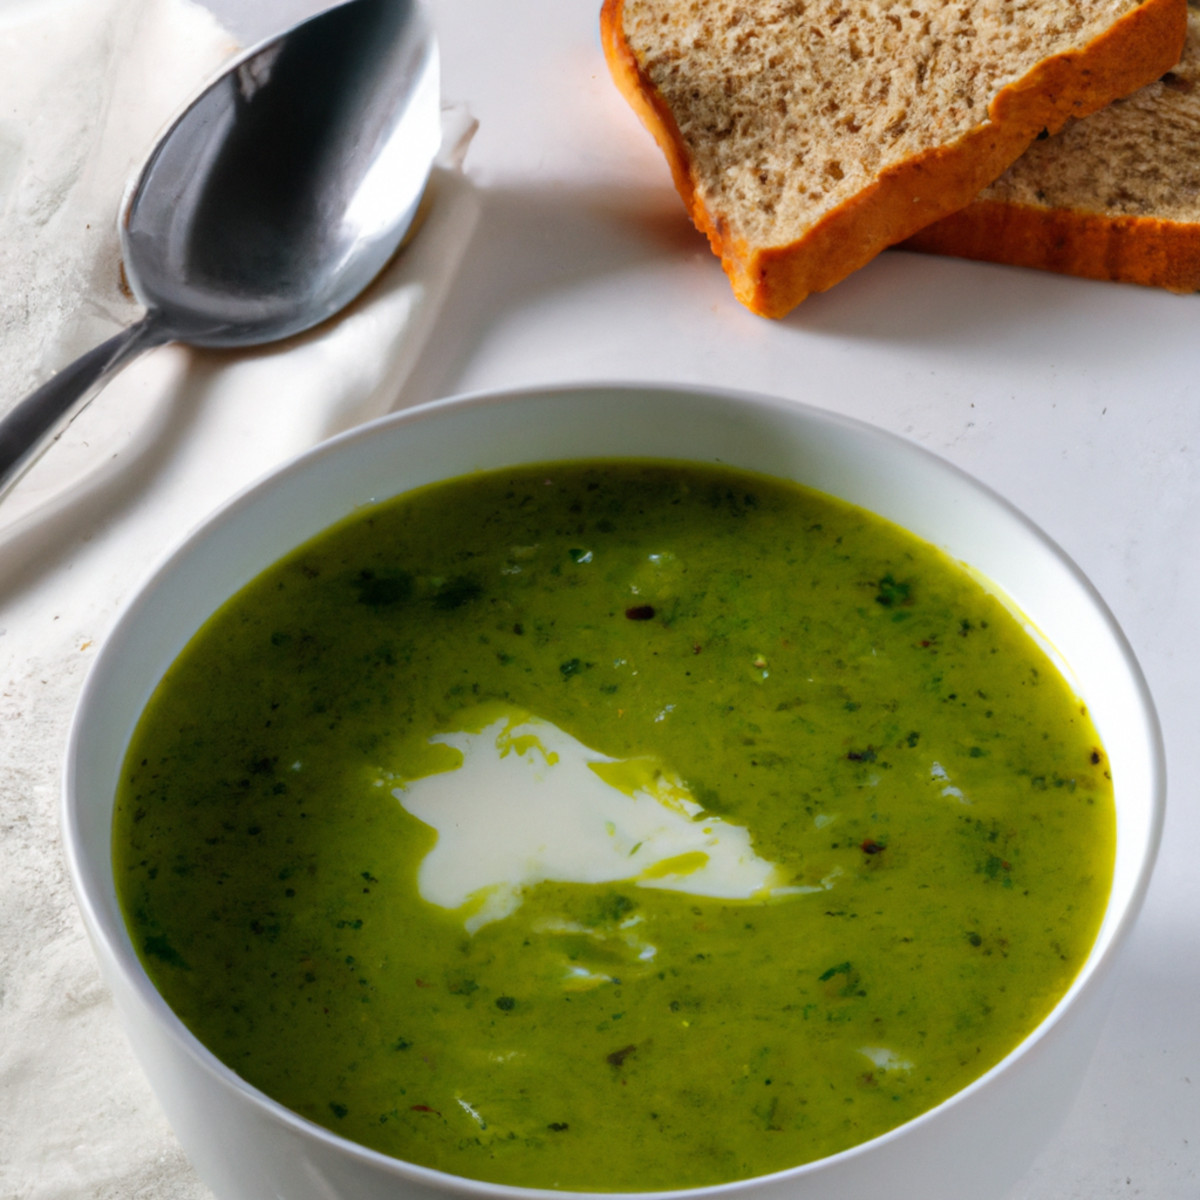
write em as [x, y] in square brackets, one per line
[42, 416]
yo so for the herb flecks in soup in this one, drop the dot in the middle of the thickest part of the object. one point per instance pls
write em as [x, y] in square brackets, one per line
[619, 826]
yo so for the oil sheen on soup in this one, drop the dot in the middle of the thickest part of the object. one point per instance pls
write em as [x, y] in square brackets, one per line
[613, 825]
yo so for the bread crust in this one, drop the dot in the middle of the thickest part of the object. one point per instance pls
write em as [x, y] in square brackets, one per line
[905, 198]
[1120, 249]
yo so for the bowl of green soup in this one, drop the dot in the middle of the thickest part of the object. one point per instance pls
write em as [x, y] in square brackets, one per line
[614, 790]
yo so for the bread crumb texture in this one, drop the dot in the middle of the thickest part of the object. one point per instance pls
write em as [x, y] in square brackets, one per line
[1115, 196]
[784, 119]
[1138, 157]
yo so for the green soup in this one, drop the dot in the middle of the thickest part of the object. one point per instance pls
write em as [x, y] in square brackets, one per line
[800, 830]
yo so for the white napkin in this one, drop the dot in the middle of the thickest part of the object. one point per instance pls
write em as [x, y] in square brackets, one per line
[86, 86]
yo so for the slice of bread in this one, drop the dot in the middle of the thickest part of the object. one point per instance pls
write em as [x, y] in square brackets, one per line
[805, 136]
[1116, 196]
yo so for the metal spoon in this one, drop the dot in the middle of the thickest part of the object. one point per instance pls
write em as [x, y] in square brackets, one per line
[270, 203]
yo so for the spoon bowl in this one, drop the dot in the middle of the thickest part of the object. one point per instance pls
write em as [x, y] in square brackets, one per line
[270, 203]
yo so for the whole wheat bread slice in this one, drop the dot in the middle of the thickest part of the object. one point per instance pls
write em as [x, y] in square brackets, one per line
[805, 136]
[1115, 196]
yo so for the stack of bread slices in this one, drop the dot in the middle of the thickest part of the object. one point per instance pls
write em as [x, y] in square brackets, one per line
[805, 136]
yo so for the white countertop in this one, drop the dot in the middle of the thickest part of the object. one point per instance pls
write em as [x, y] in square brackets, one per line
[1075, 400]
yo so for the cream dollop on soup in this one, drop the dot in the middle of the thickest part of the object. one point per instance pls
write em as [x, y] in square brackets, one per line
[521, 802]
[613, 826]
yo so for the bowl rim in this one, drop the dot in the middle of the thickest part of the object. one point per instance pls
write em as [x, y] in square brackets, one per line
[120, 947]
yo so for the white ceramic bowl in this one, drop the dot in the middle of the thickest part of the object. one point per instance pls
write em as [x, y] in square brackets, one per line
[978, 1143]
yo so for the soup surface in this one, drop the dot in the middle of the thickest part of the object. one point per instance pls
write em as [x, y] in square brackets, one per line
[613, 826]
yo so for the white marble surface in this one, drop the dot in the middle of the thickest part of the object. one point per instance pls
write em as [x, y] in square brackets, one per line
[1075, 400]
